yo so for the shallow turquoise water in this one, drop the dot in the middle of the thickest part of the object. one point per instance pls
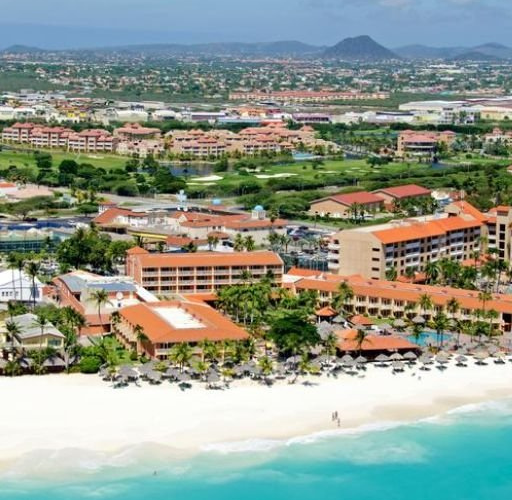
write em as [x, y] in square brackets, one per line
[466, 455]
[428, 339]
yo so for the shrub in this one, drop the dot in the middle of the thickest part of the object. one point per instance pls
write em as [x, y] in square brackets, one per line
[90, 364]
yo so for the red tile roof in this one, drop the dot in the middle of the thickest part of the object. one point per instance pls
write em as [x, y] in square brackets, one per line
[326, 312]
[347, 342]
[210, 259]
[359, 319]
[360, 197]
[215, 327]
[407, 191]
[420, 230]
[468, 209]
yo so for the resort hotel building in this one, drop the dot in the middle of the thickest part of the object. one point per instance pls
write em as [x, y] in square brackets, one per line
[168, 323]
[202, 272]
[392, 299]
[403, 244]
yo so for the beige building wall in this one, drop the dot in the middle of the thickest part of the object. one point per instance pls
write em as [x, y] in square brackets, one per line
[361, 253]
[336, 210]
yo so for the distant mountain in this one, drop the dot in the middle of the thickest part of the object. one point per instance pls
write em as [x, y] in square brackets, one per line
[22, 49]
[424, 52]
[476, 56]
[264, 49]
[495, 50]
[361, 48]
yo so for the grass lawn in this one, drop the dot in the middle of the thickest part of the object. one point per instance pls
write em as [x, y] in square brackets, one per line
[351, 169]
[26, 159]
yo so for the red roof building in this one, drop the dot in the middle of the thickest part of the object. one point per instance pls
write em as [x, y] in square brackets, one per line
[168, 323]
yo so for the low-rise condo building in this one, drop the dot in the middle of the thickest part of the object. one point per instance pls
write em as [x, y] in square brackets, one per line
[412, 143]
[307, 96]
[404, 244]
[76, 289]
[165, 324]
[395, 195]
[87, 141]
[202, 272]
[391, 299]
[341, 206]
[31, 336]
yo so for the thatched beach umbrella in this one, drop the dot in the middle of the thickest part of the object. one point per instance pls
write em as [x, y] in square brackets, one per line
[442, 358]
[361, 360]
[492, 349]
[154, 377]
[418, 320]
[399, 323]
[347, 359]
[339, 319]
[184, 377]
[171, 373]
[500, 358]
[382, 358]
[398, 366]
[410, 356]
[324, 329]
[213, 377]
[396, 357]
[292, 360]
[461, 360]
[481, 356]
[54, 362]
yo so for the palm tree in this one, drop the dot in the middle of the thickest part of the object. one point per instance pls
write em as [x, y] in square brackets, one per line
[249, 243]
[239, 243]
[139, 241]
[140, 336]
[440, 323]
[181, 354]
[213, 241]
[20, 265]
[360, 338]
[410, 273]
[432, 272]
[391, 274]
[492, 314]
[453, 306]
[13, 332]
[70, 345]
[12, 264]
[202, 368]
[331, 344]
[100, 298]
[343, 297]
[41, 322]
[32, 269]
[425, 303]
[266, 365]
[484, 297]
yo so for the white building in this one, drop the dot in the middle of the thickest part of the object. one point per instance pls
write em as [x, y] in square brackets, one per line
[18, 286]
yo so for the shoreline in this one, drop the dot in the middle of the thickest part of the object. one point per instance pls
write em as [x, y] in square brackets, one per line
[45, 419]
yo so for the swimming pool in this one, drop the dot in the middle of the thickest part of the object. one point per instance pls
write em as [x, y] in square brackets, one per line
[426, 339]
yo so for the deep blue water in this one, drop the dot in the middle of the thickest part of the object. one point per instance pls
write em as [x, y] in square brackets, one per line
[463, 456]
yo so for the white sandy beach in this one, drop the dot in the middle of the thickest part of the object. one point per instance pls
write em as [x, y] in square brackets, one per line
[62, 412]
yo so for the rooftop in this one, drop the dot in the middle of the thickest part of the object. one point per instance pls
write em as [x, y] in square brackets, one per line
[209, 259]
[407, 191]
[180, 321]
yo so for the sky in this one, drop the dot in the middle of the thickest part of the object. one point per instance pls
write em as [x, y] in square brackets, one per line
[89, 23]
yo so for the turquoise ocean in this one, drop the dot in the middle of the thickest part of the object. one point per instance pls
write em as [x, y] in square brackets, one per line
[463, 455]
